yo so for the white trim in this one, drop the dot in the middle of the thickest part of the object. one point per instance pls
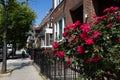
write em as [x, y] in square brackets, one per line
[57, 30]
[63, 25]
[46, 46]
[57, 27]
[48, 30]
[45, 38]
[56, 3]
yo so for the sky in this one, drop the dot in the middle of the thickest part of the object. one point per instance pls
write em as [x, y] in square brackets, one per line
[41, 8]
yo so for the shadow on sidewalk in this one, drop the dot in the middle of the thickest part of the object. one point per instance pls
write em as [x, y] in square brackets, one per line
[20, 62]
[22, 65]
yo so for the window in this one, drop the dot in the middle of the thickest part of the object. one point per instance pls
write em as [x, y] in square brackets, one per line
[59, 29]
[51, 39]
[42, 41]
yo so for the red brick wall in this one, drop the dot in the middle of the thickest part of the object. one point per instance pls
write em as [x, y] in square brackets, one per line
[63, 9]
[71, 5]
[88, 8]
[58, 12]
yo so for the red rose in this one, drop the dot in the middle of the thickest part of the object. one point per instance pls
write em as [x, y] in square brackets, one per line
[96, 58]
[80, 49]
[110, 9]
[76, 24]
[85, 28]
[60, 54]
[109, 25]
[101, 18]
[68, 61]
[95, 34]
[89, 41]
[67, 27]
[64, 34]
[119, 40]
[94, 16]
[118, 17]
[55, 45]
[83, 36]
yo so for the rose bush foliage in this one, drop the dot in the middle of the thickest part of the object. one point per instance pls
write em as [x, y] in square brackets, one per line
[94, 48]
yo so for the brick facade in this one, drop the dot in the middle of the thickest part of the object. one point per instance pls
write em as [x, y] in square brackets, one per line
[73, 10]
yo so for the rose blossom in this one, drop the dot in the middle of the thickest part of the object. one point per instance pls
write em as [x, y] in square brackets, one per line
[67, 27]
[64, 34]
[119, 40]
[95, 34]
[90, 22]
[83, 36]
[101, 18]
[85, 28]
[110, 9]
[68, 61]
[80, 49]
[55, 45]
[109, 25]
[118, 17]
[96, 58]
[76, 24]
[94, 16]
[89, 41]
[60, 54]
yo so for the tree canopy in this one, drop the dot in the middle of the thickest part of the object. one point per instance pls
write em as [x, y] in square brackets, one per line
[19, 19]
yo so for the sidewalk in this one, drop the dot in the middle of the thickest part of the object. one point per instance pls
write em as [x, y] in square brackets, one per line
[22, 69]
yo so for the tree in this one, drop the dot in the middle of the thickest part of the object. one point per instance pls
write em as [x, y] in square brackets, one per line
[3, 2]
[15, 21]
[20, 19]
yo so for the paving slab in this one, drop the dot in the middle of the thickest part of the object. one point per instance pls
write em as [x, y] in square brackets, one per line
[22, 69]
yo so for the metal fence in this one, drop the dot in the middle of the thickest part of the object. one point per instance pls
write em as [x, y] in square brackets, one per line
[54, 70]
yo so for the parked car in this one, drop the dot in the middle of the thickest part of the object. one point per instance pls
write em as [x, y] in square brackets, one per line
[9, 51]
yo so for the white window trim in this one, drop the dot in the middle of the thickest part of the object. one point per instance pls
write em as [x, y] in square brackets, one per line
[56, 29]
[56, 3]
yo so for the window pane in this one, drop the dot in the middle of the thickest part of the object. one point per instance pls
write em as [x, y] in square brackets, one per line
[51, 39]
[60, 29]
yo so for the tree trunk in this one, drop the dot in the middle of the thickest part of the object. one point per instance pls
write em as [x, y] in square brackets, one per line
[4, 63]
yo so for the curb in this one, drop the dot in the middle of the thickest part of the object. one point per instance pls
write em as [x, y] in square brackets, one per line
[38, 69]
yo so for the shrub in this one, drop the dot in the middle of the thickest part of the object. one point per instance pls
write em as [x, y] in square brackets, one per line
[94, 48]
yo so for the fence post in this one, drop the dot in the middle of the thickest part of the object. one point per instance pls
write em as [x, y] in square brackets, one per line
[64, 71]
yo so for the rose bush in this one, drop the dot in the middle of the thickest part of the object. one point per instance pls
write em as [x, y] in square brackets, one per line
[93, 48]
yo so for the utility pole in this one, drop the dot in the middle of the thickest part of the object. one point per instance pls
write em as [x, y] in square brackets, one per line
[4, 63]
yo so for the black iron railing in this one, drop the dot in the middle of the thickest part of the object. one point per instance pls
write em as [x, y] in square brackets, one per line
[54, 69]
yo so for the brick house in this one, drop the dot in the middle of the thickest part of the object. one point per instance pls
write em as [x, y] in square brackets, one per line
[67, 12]
[44, 31]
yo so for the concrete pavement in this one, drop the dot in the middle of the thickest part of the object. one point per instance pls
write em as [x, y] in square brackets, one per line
[22, 69]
